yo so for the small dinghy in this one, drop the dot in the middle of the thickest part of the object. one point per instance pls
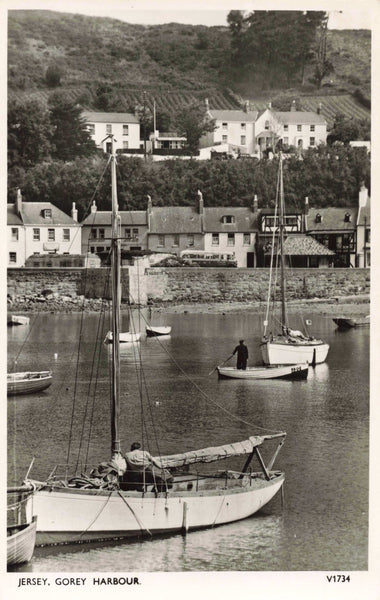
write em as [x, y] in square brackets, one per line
[28, 382]
[18, 320]
[349, 322]
[21, 540]
[124, 338]
[299, 371]
[154, 330]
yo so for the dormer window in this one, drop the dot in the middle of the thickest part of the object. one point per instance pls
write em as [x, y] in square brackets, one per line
[318, 218]
[347, 217]
[47, 213]
[228, 219]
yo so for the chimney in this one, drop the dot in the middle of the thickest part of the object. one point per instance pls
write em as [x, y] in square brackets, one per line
[149, 211]
[319, 108]
[74, 213]
[306, 206]
[293, 107]
[18, 204]
[363, 195]
[200, 204]
[207, 104]
[246, 106]
[93, 208]
[255, 207]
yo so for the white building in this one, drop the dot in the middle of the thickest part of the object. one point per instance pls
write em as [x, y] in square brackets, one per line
[36, 228]
[363, 230]
[233, 127]
[124, 126]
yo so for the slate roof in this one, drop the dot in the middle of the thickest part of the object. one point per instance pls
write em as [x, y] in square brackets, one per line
[234, 115]
[175, 219]
[332, 219]
[300, 117]
[245, 219]
[128, 217]
[31, 214]
[106, 117]
[302, 245]
[12, 217]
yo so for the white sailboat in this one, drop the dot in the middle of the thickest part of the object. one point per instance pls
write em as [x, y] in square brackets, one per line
[89, 507]
[287, 346]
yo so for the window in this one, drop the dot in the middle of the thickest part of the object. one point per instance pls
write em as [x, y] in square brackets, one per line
[51, 235]
[224, 125]
[176, 240]
[266, 124]
[14, 234]
[286, 127]
[243, 125]
[12, 257]
[215, 239]
[312, 127]
[231, 239]
[36, 235]
[100, 248]
[161, 241]
[246, 239]
[299, 127]
[66, 235]
[367, 236]
[312, 141]
[46, 213]
[225, 138]
[228, 219]
[125, 145]
[135, 233]
[286, 141]
[190, 240]
[127, 233]
[91, 128]
[125, 129]
[93, 234]
[101, 234]
[242, 140]
[108, 128]
[318, 218]
[347, 217]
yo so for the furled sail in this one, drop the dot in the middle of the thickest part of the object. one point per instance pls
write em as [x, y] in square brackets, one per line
[214, 453]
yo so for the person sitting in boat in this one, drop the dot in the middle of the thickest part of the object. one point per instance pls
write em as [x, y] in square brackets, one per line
[143, 469]
[242, 355]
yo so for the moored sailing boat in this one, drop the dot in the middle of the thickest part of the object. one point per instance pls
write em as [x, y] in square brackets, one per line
[105, 505]
[288, 346]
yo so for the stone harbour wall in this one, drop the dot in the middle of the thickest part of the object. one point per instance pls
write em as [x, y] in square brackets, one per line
[190, 284]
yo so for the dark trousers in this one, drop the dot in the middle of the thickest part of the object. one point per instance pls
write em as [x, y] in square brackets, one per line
[241, 363]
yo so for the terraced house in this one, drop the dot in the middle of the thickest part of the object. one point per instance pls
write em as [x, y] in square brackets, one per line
[124, 126]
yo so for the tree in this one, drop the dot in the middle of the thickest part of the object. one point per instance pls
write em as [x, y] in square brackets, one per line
[53, 76]
[70, 135]
[192, 122]
[323, 66]
[346, 130]
[29, 134]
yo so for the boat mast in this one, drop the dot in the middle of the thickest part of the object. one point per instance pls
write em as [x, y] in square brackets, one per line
[282, 265]
[116, 299]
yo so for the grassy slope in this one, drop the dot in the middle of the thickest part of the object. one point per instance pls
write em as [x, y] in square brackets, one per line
[177, 63]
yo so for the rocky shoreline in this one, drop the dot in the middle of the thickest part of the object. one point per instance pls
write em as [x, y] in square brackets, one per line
[55, 303]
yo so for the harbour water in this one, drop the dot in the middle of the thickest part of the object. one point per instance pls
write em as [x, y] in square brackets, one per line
[322, 523]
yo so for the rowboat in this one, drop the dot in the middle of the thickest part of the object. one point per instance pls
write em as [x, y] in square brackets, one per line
[126, 337]
[21, 541]
[18, 320]
[152, 331]
[299, 371]
[28, 382]
[348, 322]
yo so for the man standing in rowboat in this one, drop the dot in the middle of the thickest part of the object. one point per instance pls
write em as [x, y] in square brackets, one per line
[242, 355]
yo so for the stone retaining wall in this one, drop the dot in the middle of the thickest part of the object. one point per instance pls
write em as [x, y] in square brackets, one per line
[191, 284]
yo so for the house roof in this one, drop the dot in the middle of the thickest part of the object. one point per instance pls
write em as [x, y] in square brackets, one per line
[302, 245]
[12, 216]
[245, 219]
[332, 219]
[32, 214]
[234, 115]
[175, 219]
[105, 117]
[300, 117]
[128, 217]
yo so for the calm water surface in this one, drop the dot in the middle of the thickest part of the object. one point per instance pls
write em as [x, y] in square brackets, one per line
[322, 524]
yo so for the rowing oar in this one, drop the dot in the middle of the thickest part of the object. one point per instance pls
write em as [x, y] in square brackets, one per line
[223, 363]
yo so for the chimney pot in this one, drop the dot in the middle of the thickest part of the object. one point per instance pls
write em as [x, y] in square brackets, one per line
[18, 204]
[306, 205]
[293, 108]
[200, 200]
[74, 212]
[93, 207]
[255, 204]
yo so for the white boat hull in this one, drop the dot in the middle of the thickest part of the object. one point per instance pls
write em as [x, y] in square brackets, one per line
[299, 371]
[124, 338]
[77, 515]
[28, 382]
[274, 353]
[18, 320]
[20, 543]
[156, 331]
